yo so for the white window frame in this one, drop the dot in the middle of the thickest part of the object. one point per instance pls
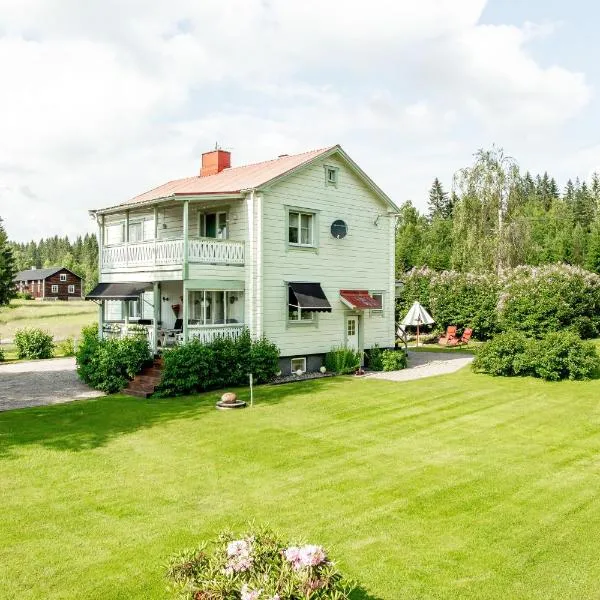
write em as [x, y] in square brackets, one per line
[63, 277]
[331, 175]
[311, 243]
[109, 227]
[298, 318]
[298, 358]
[54, 288]
[220, 216]
[71, 288]
[378, 311]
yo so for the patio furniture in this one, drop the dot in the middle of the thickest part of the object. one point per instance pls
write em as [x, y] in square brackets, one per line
[463, 340]
[449, 337]
[168, 337]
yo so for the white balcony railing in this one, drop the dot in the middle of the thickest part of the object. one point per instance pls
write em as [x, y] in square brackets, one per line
[208, 333]
[170, 252]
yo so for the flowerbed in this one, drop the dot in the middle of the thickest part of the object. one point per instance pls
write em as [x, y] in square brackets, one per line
[256, 566]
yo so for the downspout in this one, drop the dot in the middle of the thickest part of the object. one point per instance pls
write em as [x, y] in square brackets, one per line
[259, 266]
[250, 270]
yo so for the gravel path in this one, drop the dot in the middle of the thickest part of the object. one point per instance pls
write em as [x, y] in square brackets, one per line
[426, 364]
[41, 382]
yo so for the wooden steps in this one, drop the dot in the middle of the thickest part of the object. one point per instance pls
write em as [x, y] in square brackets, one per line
[144, 384]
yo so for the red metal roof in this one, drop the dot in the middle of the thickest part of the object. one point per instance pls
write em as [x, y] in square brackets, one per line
[229, 181]
[359, 299]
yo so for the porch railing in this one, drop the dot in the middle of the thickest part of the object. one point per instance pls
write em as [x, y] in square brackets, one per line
[208, 333]
[170, 252]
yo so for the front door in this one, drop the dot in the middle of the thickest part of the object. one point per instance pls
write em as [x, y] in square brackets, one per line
[352, 332]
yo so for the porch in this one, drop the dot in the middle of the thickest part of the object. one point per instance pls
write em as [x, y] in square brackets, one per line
[169, 313]
[157, 253]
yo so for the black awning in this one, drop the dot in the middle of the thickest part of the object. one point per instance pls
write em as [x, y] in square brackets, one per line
[308, 296]
[118, 291]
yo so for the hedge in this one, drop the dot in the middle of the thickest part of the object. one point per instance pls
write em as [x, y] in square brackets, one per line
[196, 367]
[533, 300]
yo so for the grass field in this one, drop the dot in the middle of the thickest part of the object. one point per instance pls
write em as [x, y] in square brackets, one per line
[462, 486]
[61, 319]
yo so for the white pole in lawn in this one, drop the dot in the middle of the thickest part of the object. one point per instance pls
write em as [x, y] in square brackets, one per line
[251, 390]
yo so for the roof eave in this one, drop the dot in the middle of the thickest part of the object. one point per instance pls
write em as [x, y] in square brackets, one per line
[173, 197]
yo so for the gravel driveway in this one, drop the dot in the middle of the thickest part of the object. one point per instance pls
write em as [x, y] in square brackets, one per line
[41, 382]
[426, 364]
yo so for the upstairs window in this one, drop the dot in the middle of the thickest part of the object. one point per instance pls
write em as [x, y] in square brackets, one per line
[213, 225]
[300, 228]
[63, 277]
[331, 175]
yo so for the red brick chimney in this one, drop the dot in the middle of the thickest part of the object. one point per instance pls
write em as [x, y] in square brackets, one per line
[214, 162]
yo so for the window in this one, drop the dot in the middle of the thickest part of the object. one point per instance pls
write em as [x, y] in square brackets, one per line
[298, 315]
[54, 288]
[114, 234]
[63, 277]
[351, 323]
[301, 228]
[213, 225]
[71, 289]
[216, 307]
[379, 297]
[331, 175]
[298, 364]
[136, 231]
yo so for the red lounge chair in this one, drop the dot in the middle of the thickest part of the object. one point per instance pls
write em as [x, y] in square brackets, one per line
[450, 335]
[464, 339]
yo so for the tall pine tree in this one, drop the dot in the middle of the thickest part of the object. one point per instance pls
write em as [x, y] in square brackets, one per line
[7, 268]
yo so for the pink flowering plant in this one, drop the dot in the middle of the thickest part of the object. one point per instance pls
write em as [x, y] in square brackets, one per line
[256, 566]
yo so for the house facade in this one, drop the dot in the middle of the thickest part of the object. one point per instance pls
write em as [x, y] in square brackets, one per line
[53, 283]
[299, 249]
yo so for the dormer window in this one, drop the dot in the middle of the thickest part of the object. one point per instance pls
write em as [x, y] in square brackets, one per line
[331, 175]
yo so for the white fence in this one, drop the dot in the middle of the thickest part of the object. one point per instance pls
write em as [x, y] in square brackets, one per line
[170, 252]
[208, 333]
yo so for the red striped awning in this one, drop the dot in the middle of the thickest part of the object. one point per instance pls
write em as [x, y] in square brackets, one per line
[359, 300]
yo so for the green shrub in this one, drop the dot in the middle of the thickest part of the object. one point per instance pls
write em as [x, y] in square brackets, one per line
[34, 344]
[393, 360]
[23, 296]
[375, 358]
[453, 298]
[264, 360]
[196, 367]
[1, 355]
[563, 356]
[66, 347]
[342, 360]
[506, 354]
[556, 356]
[256, 565]
[108, 365]
[187, 368]
[538, 300]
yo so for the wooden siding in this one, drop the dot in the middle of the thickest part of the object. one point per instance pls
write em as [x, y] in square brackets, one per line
[63, 286]
[364, 259]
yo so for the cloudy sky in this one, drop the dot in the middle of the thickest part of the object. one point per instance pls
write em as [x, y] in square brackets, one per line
[103, 99]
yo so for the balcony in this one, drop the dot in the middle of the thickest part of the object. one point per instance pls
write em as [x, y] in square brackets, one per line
[161, 253]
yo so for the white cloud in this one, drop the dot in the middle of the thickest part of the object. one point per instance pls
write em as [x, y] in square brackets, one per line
[108, 98]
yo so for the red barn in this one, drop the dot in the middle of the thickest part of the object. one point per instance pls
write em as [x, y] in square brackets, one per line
[56, 283]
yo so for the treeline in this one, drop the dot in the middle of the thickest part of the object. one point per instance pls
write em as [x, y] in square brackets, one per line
[80, 256]
[496, 217]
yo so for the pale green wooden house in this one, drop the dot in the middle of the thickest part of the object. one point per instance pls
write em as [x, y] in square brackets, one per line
[299, 249]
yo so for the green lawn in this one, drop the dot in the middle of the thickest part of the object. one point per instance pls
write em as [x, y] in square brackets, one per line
[61, 319]
[461, 486]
